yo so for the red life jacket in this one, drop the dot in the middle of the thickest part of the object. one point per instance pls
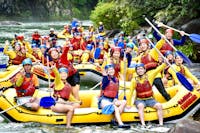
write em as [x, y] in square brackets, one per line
[182, 70]
[111, 90]
[36, 37]
[64, 93]
[149, 62]
[117, 70]
[144, 90]
[26, 89]
[36, 55]
[166, 47]
[18, 59]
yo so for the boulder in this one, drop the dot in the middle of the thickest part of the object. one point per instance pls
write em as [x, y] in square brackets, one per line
[187, 126]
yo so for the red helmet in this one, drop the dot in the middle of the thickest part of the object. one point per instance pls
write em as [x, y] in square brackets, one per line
[169, 31]
[144, 41]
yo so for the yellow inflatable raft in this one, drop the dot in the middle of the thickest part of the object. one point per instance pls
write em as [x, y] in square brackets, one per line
[181, 105]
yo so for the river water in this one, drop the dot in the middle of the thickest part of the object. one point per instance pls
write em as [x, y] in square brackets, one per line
[26, 29]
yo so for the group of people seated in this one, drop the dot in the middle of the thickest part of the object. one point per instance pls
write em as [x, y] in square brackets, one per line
[124, 58]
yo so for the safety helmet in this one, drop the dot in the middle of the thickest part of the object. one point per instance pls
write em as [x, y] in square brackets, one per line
[43, 46]
[168, 52]
[34, 45]
[169, 31]
[130, 45]
[89, 47]
[144, 41]
[63, 69]
[27, 61]
[109, 66]
[176, 54]
[139, 65]
[51, 29]
[100, 23]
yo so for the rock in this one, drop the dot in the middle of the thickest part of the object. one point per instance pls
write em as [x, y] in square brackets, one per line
[192, 27]
[10, 23]
[187, 126]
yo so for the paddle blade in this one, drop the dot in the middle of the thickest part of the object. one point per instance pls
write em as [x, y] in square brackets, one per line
[47, 102]
[109, 109]
[97, 53]
[1, 49]
[195, 37]
[185, 58]
[184, 81]
[3, 65]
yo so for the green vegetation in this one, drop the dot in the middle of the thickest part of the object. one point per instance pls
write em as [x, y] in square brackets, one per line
[128, 14]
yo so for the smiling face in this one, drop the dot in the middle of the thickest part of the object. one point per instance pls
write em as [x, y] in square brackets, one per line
[111, 71]
[54, 54]
[63, 75]
[140, 71]
[144, 47]
[27, 68]
[178, 60]
[116, 54]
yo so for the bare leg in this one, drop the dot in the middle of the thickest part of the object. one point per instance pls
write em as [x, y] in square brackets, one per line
[117, 116]
[121, 105]
[63, 108]
[141, 113]
[75, 91]
[158, 106]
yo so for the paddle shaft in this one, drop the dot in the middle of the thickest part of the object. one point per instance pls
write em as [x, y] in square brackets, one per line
[95, 86]
[48, 74]
[166, 26]
[124, 73]
[160, 34]
[12, 107]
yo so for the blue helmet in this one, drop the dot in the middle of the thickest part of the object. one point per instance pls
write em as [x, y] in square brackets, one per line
[89, 47]
[109, 66]
[27, 61]
[139, 65]
[43, 46]
[63, 69]
[130, 45]
[168, 52]
[34, 45]
[176, 54]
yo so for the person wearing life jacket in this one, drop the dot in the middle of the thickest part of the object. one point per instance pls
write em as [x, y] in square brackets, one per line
[149, 57]
[36, 38]
[52, 34]
[167, 78]
[169, 34]
[25, 84]
[36, 52]
[87, 54]
[117, 61]
[24, 43]
[101, 27]
[17, 55]
[142, 85]
[43, 49]
[109, 95]
[61, 61]
[62, 93]
[180, 67]
[76, 41]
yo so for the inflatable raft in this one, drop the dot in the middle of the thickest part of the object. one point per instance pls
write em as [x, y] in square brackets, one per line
[182, 104]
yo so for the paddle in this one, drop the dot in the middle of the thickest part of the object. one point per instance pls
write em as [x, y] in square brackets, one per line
[1, 49]
[49, 101]
[3, 65]
[180, 76]
[12, 107]
[97, 53]
[124, 74]
[95, 86]
[193, 37]
[185, 58]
